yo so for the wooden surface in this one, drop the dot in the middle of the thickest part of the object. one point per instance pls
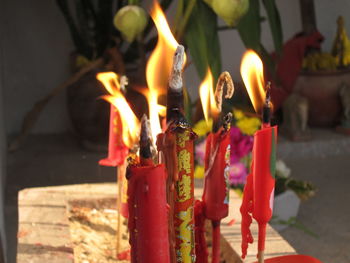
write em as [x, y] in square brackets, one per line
[44, 236]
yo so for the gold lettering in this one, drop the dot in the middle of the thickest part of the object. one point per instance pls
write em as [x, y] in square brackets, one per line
[182, 138]
[184, 161]
[185, 234]
[184, 188]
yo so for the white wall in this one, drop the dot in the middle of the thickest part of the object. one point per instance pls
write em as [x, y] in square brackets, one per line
[36, 50]
[37, 45]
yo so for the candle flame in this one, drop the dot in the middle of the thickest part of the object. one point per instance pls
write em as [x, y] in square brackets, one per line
[206, 94]
[252, 72]
[158, 68]
[130, 123]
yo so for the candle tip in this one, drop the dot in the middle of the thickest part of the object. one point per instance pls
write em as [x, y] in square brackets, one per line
[145, 138]
[175, 81]
[124, 81]
[224, 78]
[266, 115]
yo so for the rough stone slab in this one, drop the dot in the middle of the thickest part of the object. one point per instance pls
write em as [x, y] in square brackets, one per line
[44, 236]
[43, 229]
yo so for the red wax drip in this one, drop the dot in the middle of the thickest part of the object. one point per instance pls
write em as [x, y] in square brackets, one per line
[259, 190]
[215, 194]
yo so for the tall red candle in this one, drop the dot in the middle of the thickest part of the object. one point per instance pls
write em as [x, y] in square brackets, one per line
[259, 191]
[148, 214]
[264, 155]
[216, 186]
[184, 197]
[217, 159]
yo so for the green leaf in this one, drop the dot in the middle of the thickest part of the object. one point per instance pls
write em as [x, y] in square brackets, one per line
[275, 24]
[104, 25]
[249, 27]
[80, 45]
[202, 39]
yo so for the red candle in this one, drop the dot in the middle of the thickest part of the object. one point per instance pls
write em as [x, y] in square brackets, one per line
[184, 197]
[216, 186]
[216, 191]
[217, 158]
[148, 214]
[201, 243]
[259, 189]
[117, 151]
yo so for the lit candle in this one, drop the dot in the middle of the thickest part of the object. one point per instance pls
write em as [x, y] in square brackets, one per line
[117, 151]
[259, 190]
[217, 156]
[122, 136]
[148, 211]
[177, 147]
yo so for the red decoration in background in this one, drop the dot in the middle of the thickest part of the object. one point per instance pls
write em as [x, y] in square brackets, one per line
[289, 65]
[117, 151]
[148, 214]
[259, 190]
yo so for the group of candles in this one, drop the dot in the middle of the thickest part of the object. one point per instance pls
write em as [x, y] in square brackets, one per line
[156, 183]
[165, 223]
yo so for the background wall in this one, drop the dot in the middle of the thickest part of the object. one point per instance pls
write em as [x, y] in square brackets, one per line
[37, 44]
[36, 51]
[3, 249]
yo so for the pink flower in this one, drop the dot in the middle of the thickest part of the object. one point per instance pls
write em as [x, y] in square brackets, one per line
[200, 152]
[238, 173]
[241, 144]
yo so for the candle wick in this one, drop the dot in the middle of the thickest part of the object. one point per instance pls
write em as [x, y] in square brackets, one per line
[124, 81]
[175, 98]
[224, 78]
[219, 120]
[175, 81]
[266, 114]
[145, 139]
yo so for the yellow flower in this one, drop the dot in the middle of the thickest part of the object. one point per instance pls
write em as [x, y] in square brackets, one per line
[202, 127]
[199, 172]
[248, 125]
[238, 114]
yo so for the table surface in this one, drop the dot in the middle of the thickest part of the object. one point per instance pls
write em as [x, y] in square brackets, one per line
[43, 230]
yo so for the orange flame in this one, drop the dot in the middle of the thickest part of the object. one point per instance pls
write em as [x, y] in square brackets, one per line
[206, 94]
[159, 67]
[252, 72]
[130, 123]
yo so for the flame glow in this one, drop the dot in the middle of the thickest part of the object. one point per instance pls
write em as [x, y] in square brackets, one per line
[159, 67]
[130, 123]
[252, 72]
[206, 94]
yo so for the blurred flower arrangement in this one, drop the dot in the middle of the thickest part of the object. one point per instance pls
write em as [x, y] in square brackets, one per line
[241, 135]
[242, 138]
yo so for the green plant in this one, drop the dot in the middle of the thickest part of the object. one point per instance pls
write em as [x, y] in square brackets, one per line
[249, 29]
